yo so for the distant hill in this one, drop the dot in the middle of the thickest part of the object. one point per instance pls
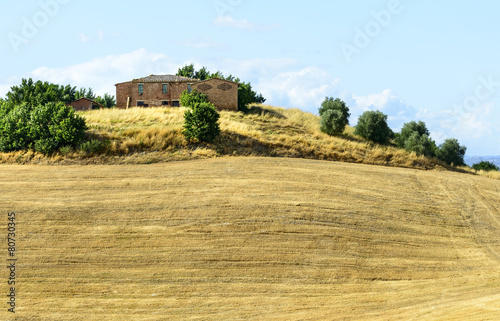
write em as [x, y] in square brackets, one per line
[471, 160]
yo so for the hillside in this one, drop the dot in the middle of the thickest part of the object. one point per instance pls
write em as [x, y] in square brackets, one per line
[152, 135]
[251, 239]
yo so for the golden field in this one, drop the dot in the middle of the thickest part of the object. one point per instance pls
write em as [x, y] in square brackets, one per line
[249, 238]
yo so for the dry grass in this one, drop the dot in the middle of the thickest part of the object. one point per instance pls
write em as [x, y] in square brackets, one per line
[252, 239]
[150, 135]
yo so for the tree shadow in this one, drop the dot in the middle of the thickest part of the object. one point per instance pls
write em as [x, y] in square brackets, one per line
[257, 110]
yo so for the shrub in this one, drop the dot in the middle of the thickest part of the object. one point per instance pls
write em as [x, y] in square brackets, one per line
[422, 145]
[485, 166]
[44, 128]
[372, 125]
[451, 152]
[94, 146]
[334, 116]
[200, 123]
[65, 150]
[332, 122]
[191, 99]
[415, 137]
[408, 130]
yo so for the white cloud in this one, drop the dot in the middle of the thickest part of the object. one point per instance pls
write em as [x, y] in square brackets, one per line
[230, 22]
[397, 110]
[304, 89]
[103, 73]
[83, 38]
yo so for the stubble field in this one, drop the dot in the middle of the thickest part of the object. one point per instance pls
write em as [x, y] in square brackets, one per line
[251, 239]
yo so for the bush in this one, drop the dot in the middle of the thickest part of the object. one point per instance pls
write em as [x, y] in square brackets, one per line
[334, 116]
[485, 166]
[94, 146]
[408, 130]
[44, 128]
[372, 125]
[422, 145]
[191, 99]
[200, 123]
[451, 152]
[415, 137]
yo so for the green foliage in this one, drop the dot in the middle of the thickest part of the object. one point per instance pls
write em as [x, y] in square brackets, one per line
[338, 104]
[190, 72]
[40, 93]
[333, 122]
[191, 99]
[451, 152]
[44, 128]
[420, 144]
[372, 125]
[94, 146]
[84, 93]
[485, 166]
[246, 95]
[107, 101]
[65, 150]
[334, 116]
[408, 130]
[415, 137]
[201, 123]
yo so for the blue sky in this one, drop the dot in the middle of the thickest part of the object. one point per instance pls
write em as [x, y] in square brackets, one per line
[438, 62]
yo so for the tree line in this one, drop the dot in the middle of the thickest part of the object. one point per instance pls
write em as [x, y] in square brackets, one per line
[372, 125]
[41, 93]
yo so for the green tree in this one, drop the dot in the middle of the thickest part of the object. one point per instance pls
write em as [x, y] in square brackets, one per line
[44, 128]
[186, 71]
[202, 74]
[408, 130]
[451, 152]
[201, 123]
[485, 166]
[191, 99]
[39, 93]
[420, 144]
[372, 125]
[108, 101]
[415, 137]
[334, 116]
[332, 122]
[85, 93]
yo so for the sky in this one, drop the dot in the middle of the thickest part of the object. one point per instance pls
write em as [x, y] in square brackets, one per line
[431, 61]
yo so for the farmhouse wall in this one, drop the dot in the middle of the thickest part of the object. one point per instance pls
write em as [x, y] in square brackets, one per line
[152, 95]
[222, 93]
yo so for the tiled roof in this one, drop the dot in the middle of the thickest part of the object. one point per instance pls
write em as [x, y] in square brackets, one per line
[164, 78]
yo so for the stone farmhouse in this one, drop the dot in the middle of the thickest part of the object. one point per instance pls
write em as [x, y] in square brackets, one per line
[84, 104]
[165, 90]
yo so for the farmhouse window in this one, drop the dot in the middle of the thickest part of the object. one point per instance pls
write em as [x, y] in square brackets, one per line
[164, 102]
[141, 88]
[165, 88]
[140, 103]
[176, 103]
[190, 89]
